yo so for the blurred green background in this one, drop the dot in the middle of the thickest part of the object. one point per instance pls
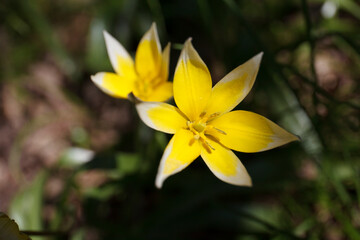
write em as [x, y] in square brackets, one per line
[78, 164]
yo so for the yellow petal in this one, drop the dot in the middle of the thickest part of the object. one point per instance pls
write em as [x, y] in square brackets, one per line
[148, 54]
[165, 63]
[120, 59]
[113, 84]
[161, 116]
[192, 82]
[162, 92]
[234, 87]
[179, 153]
[225, 164]
[250, 132]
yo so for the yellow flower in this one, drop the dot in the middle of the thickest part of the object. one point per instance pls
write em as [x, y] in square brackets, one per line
[203, 124]
[146, 78]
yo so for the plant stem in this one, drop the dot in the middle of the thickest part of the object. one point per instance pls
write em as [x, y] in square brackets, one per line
[44, 233]
[311, 41]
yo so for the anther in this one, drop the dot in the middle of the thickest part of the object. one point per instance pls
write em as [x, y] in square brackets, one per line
[214, 115]
[192, 141]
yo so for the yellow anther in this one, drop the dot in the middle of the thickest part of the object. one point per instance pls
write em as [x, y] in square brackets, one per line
[212, 116]
[202, 114]
[192, 141]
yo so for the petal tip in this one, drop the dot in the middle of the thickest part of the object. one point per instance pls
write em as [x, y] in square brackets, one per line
[152, 33]
[244, 181]
[166, 51]
[158, 183]
[296, 138]
[249, 183]
[188, 43]
[189, 52]
[107, 35]
[240, 181]
[153, 25]
[153, 28]
[97, 78]
[290, 137]
[258, 57]
[109, 39]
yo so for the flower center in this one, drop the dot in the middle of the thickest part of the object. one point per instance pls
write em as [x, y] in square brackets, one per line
[199, 127]
[202, 130]
[144, 87]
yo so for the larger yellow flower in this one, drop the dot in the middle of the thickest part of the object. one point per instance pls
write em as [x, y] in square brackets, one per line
[203, 124]
[146, 78]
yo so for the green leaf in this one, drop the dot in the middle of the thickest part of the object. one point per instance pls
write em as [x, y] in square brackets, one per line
[26, 206]
[293, 117]
[128, 162]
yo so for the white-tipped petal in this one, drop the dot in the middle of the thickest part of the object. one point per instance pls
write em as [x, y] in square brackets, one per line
[234, 87]
[225, 165]
[161, 116]
[112, 84]
[179, 153]
[250, 132]
[165, 63]
[120, 59]
[192, 82]
[148, 57]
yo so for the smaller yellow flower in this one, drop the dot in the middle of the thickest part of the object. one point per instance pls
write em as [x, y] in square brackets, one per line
[203, 124]
[146, 78]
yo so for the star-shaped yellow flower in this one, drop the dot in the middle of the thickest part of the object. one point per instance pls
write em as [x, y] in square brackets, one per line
[203, 124]
[146, 78]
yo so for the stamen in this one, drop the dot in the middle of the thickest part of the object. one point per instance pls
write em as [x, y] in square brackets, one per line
[202, 131]
[220, 131]
[206, 148]
[212, 116]
[192, 141]
[215, 139]
[206, 143]
[209, 145]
